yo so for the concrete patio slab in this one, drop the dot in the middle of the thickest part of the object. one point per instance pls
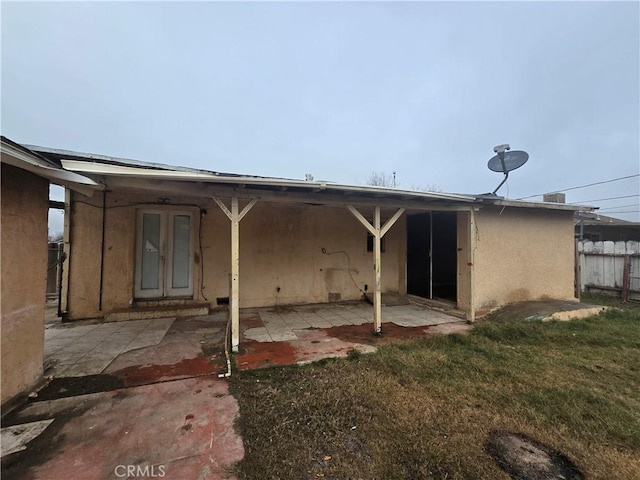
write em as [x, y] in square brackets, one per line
[72, 351]
[545, 309]
[303, 334]
[179, 429]
[282, 325]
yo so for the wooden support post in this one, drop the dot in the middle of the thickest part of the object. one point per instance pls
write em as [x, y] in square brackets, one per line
[235, 276]
[377, 294]
[378, 232]
[577, 287]
[626, 274]
[235, 216]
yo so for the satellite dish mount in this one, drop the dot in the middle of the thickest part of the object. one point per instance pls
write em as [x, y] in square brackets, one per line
[506, 161]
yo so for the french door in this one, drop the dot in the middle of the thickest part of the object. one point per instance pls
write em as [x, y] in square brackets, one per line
[164, 254]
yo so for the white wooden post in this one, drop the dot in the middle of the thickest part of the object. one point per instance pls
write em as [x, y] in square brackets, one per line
[377, 294]
[235, 276]
[234, 301]
[378, 232]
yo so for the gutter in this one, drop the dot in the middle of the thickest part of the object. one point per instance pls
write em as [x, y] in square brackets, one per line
[502, 202]
[18, 157]
[210, 177]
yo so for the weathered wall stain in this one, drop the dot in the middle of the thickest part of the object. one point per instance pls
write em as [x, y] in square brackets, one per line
[25, 205]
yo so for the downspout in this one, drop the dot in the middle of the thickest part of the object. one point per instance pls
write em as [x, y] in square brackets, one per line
[104, 211]
[226, 349]
[582, 229]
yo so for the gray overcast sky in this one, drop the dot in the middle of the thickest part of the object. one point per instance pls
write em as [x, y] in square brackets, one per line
[338, 89]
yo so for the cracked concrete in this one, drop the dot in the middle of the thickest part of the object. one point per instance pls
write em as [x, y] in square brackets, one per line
[283, 325]
[145, 393]
[74, 351]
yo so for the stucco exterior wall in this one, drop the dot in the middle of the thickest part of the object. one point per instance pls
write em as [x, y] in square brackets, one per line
[284, 250]
[24, 210]
[281, 254]
[522, 254]
[463, 284]
[293, 254]
[84, 250]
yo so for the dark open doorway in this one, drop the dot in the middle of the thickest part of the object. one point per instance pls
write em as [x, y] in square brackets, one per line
[432, 255]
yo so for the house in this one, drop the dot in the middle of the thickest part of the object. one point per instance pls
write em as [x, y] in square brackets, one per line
[596, 227]
[24, 210]
[162, 239]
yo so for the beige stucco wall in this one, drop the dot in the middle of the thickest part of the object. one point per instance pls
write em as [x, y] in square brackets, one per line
[463, 284]
[284, 249]
[23, 213]
[82, 269]
[522, 254]
[281, 257]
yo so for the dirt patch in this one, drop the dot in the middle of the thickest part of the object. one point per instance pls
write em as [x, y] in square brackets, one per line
[526, 459]
[364, 333]
[73, 386]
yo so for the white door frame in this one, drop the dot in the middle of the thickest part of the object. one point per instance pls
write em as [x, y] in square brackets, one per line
[166, 251]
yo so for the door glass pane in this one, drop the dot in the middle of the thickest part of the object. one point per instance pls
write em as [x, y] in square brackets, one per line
[181, 247]
[150, 251]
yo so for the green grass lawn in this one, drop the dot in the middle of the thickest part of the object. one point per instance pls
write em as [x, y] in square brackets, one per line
[424, 408]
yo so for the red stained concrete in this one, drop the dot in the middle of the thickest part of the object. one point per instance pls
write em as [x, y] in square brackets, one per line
[186, 368]
[314, 344]
[250, 320]
[175, 413]
[179, 355]
[185, 426]
[259, 355]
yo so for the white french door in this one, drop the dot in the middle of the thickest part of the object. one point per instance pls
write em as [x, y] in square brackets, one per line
[164, 254]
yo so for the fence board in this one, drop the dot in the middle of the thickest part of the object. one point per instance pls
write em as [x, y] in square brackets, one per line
[602, 266]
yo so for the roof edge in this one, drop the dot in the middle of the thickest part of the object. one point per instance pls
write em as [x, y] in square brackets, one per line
[93, 164]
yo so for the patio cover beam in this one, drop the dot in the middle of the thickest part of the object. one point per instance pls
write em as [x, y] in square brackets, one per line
[204, 190]
[378, 232]
[235, 216]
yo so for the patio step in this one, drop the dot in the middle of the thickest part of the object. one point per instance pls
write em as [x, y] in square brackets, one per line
[450, 308]
[157, 311]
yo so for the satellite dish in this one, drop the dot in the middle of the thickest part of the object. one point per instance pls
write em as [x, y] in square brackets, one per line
[512, 160]
[506, 161]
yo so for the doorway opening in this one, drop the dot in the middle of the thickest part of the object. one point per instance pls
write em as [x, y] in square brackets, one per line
[432, 255]
[164, 254]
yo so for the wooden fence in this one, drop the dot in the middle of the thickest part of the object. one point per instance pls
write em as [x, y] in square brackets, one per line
[54, 270]
[610, 267]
